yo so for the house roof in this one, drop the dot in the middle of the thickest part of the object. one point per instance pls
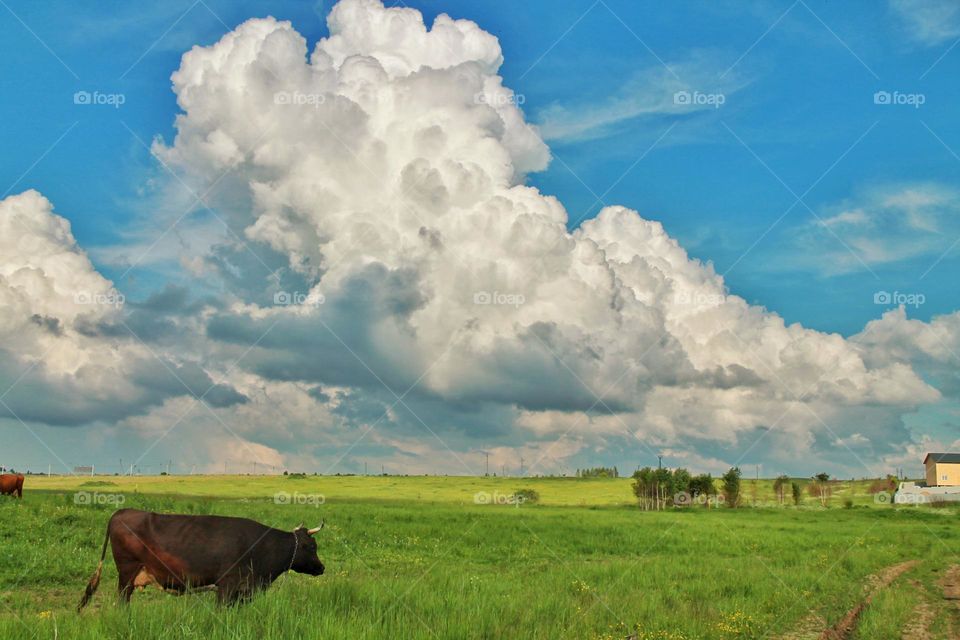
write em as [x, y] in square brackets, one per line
[942, 457]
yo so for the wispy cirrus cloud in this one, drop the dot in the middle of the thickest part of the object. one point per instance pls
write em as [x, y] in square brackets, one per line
[697, 85]
[884, 225]
[928, 22]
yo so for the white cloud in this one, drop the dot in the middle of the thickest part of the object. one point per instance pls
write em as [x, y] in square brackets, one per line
[387, 169]
[698, 85]
[928, 22]
[883, 225]
[63, 357]
[400, 193]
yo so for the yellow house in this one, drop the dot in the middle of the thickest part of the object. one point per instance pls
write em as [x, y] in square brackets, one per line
[943, 469]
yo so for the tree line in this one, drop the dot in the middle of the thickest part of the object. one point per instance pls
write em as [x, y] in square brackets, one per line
[657, 489]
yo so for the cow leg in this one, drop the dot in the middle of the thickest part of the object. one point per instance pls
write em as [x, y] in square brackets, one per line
[126, 580]
[233, 591]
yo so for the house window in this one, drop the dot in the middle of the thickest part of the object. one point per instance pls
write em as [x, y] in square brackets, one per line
[943, 477]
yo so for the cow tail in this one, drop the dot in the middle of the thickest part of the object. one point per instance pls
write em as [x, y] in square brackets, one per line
[95, 578]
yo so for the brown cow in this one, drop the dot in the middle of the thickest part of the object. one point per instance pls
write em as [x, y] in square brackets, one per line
[236, 556]
[11, 484]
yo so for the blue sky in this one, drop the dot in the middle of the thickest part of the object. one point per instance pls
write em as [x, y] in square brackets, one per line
[809, 151]
[802, 115]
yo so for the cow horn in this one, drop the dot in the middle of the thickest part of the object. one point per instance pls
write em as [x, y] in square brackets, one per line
[310, 532]
[299, 526]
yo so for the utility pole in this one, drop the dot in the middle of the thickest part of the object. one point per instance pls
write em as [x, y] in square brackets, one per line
[659, 461]
[487, 454]
[382, 472]
[521, 466]
[364, 468]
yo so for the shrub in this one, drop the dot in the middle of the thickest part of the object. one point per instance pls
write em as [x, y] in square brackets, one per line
[529, 496]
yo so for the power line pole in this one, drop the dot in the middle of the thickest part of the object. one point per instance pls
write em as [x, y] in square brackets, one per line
[487, 454]
[521, 466]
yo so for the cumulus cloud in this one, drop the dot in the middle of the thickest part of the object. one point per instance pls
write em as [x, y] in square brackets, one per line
[388, 166]
[441, 304]
[55, 367]
[932, 347]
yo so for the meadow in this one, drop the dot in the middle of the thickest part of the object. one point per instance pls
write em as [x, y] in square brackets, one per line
[417, 557]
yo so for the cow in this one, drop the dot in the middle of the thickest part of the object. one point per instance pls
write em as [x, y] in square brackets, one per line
[236, 557]
[11, 484]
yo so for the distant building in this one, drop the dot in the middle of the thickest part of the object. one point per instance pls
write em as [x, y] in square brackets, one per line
[943, 469]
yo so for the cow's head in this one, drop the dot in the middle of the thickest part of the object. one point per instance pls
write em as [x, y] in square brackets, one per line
[306, 559]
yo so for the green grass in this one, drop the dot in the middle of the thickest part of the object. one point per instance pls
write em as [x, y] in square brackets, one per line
[416, 558]
[421, 489]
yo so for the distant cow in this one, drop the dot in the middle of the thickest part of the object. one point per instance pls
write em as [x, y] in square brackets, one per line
[11, 484]
[235, 556]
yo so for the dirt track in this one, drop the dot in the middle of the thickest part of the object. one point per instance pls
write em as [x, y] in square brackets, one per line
[848, 624]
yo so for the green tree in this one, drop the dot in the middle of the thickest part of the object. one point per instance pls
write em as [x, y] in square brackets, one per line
[681, 485]
[821, 484]
[655, 488]
[797, 493]
[702, 488]
[643, 484]
[731, 487]
[779, 485]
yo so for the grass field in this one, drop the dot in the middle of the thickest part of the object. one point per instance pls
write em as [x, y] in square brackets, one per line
[417, 558]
